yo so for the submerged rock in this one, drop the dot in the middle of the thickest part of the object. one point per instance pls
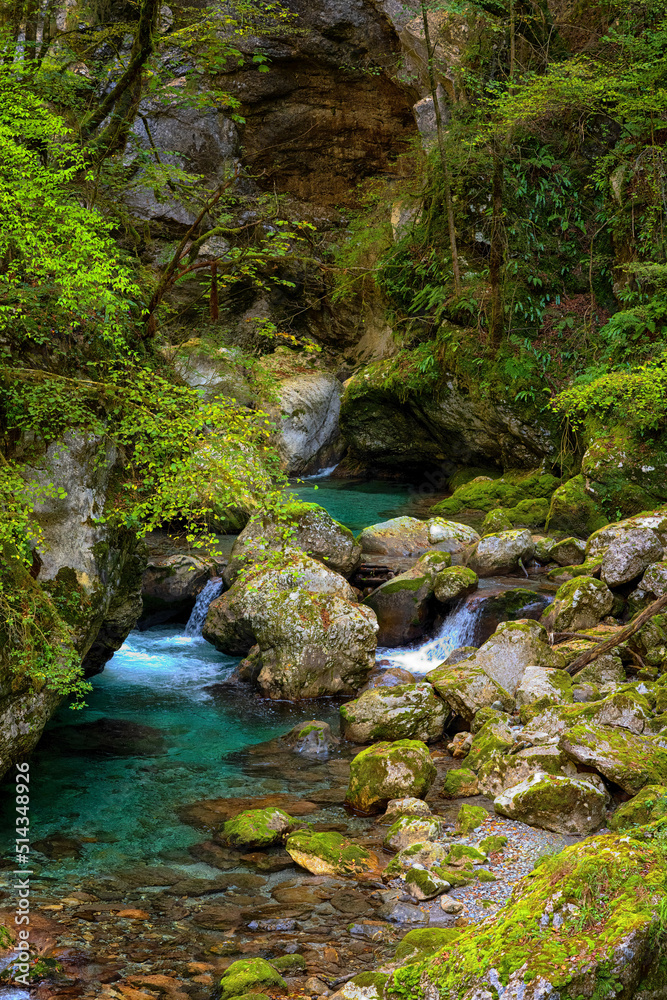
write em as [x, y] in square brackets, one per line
[562, 803]
[250, 975]
[389, 771]
[256, 828]
[407, 711]
[313, 739]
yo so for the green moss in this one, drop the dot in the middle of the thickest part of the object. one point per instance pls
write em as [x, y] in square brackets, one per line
[242, 976]
[459, 851]
[470, 817]
[482, 875]
[289, 963]
[256, 828]
[493, 738]
[493, 844]
[650, 804]
[455, 876]
[428, 883]
[496, 520]
[488, 715]
[459, 782]
[529, 513]
[574, 510]
[418, 944]
[463, 476]
[376, 979]
[389, 771]
[508, 491]
[338, 853]
[395, 586]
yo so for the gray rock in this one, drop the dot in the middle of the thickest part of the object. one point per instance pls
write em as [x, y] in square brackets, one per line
[630, 555]
[404, 606]
[501, 552]
[312, 739]
[544, 682]
[308, 436]
[450, 536]
[568, 552]
[407, 711]
[400, 536]
[580, 603]
[654, 580]
[562, 803]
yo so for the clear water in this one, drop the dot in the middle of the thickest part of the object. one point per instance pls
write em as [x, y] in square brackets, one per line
[358, 504]
[116, 787]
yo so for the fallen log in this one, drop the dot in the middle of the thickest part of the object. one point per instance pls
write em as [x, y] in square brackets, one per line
[616, 640]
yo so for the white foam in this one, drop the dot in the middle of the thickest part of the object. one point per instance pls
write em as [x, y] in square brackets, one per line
[458, 629]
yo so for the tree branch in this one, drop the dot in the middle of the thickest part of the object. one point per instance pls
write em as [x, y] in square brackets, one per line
[616, 640]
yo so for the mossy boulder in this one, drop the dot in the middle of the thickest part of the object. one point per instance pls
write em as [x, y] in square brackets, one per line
[654, 580]
[422, 885]
[467, 689]
[389, 771]
[451, 536]
[513, 647]
[428, 856]
[250, 975]
[456, 877]
[488, 715]
[495, 521]
[405, 807]
[406, 711]
[304, 526]
[573, 508]
[529, 513]
[503, 771]
[544, 683]
[623, 469]
[562, 803]
[312, 738]
[502, 552]
[580, 603]
[492, 739]
[405, 606]
[493, 844]
[484, 494]
[460, 783]
[568, 552]
[400, 536]
[543, 944]
[289, 964]
[464, 852]
[419, 944]
[256, 828]
[453, 583]
[647, 806]
[607, 669]
[329, 853]
[469, 818]
[409, 830]
[628, 759]
[364, 986]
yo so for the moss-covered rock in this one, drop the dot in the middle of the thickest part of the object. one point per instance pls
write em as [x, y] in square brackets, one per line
[405, 606]
[329, 853]
[257, 828]
[422, 885]
[484, 494]
[544, 683]
[502, 552]
[464, 852]
[586, 918]
[405, 807]
[389, 771]
[467, 688]
[579, 603]
[454, 583]
[568, 552]
[529, 513]
[493, 844]
[488, 715]
[312, 738]
[419, 944]
[429, 856]
[364, 986]
[628, 556]
[409, 830]
[456, 877]
[647, 806]
[573, 508]
[654, 580]
[469, 818]
[503, 771]
[625, 471]
[628, 759]
[495, 521]
[492, 739]
[400, 536]
[406, 711]
[289, 964]
[460, 783]
[562, 803]
[451, 536]
[250, 975]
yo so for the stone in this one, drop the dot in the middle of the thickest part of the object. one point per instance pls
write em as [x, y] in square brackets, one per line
[507, 491]
[453, 907]
[312, 739]
[418, 944]
[428, 856]
[607, 669]
[405, 807]
[502, 552]
[503, 771]
[250, 975]
[646, 807]
[579, 603]
[492, 844]
[562, 803]
[460, 783]
[364, 986]
[450, 536]
[506, 654]
[407, 711]
[466, 853]
[400, 536]
[306, 416]
[404, 606]
[453, 583]
[654, 580]
[492, 739]
[171, 582]
[409, 830]
[460, 745]
[628, 556]
[404, 913]
[257, 828]
[496, 521]
[460, 653]
[309, 529]
[389, 771]
[316, 987]
[422, 885]
[543, 547]
[568, 552]
[469, 818]
[388, 677]
[628, 759]
[575, 509]
[467, 689]
[329, 853]
[544, 682]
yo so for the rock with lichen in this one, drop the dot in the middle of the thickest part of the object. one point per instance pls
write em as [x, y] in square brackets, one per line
[256, 828]
[460, 783]
[405, 606]
[250, 975]
[562, 803]
[329, 853]
[579, 603]
[502, 552]
[628, 759]
[409, 830]
[406, 711]
[389, 771]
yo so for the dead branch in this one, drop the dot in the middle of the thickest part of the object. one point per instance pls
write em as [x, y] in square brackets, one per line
[620, 637]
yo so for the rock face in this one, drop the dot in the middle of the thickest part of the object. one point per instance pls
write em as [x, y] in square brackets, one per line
[627, 557]
[389, 771]
[404, 606]
[562, 803]
[580, 603]
[502, 552]
[309, 528]
[171, 582]
[308, 436]
[407, 711]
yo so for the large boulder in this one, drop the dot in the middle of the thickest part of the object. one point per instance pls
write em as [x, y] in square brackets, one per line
[562, 803]
[304, 526]
[568, 552]
[400, 536]
[453, 583]
[329, 853]
[389, 771]
[575, 509]
[579, 603]
[628, 556]
[307, 410]
[544, 683]
[654, 580]
[406, 711]
[467, 688]
[600, 540]
[628, 759]
[502, 552]
[502, 771]
[484, 494]
[493, 738]
[450, 536]
[404, 606]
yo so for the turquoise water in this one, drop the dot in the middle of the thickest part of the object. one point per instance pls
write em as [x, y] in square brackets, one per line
[359, 504]
[156, 734]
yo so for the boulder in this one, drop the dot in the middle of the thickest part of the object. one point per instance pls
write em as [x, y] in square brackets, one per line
[646, 807]
[496, 521]
[461, 783]
[507, 491]
[580, 603]
[388, 677]
[492, 739]
[628, 759]
[503, 771]
[306, 417]
[450, 536]
[513, 647]
[502, 552]
[329, 854]
[562, 803]
[467, 688]
[654, 581]
[364, 986]
[249, 975]
[628, 556]
[405, 807]
[302, 526]
[409, 830]
[421, 884]
[312, 739]
[407, 711]
[389, 771]
[453, 583]
[171, 582]
[469, 818]
[575, 509]
[404, 606]
[607, 669]
[400, 536]
[256, 828]
[568, 552]
[427, 856]
[546, 683]
[543, 547]
[600, 540]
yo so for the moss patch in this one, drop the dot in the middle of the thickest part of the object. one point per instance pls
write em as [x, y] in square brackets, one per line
[243, 976]
[508, 491]
[470, 817]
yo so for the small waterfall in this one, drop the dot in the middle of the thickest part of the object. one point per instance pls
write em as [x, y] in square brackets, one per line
[321, 473]
[212, 589]
[458, 629]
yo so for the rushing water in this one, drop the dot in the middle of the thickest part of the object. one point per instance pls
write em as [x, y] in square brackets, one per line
[458, 629]
[211, 589]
